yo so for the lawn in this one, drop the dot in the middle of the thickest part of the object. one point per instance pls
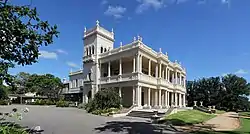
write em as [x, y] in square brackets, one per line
[220, 112]
[244, 114]
[188, 117]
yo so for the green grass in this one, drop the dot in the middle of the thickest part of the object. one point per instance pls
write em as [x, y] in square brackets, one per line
[245, 125]
[220, 112]
[188, 117]
[244, 114]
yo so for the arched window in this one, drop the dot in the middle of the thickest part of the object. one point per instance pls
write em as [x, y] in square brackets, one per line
[87, 51]
[105, 50]
[93, 50]
[90, 50]
[101, 49]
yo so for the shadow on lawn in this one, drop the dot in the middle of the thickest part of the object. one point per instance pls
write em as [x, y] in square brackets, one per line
[136, 128]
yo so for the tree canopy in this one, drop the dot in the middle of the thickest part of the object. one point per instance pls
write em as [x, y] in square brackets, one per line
[22, 32]
[46, 85]
[229, 92]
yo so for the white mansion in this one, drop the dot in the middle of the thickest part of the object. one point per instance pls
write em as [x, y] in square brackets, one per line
[143, 77]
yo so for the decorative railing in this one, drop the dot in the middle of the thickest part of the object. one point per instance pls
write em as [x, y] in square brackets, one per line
[147, 78]
[88, 58]
[72, 90]
[119, 49]
[118, 78]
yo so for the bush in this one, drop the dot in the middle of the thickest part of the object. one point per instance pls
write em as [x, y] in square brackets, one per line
[62, 103]
[42, 102]
[104, 99]
[81, 106]
[4, 102]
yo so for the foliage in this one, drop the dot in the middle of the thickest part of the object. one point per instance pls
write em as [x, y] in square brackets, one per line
[244, 113]
[43, 102]
[4, 102]
[81, 106]
[104, 99]
[188, 117]
[105, 111]
[226, 93]
[22, 33]
[45, 85]
[62, 103]
[10, 127]
[3, 92]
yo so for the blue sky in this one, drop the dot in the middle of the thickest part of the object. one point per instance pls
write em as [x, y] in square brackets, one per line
[208, 37]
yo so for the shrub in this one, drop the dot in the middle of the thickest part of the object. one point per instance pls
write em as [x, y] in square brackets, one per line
[81, 106]
[4, 102]
[104, 99]
[62, 103]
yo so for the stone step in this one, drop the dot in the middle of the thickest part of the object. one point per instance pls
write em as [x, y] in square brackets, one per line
[143, 114]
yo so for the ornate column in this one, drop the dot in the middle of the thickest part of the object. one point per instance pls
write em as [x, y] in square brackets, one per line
[159, 98]
[138, 63]
[120, 70]
[180, 102]
[176, 77]
[139, 96]
[184, 81]
[134, 100]
[133, 64]
[173, 78]
[149, 67]
[156, 70]
[120, 91]
[175, 99]
[155, 98]
[166, 73]
[149, 97]
[180, 79]
[166, 98]
[109, 69]
[172, 99]
[160, 70]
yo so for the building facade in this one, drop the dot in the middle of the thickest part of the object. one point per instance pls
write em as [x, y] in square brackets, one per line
[143, 77]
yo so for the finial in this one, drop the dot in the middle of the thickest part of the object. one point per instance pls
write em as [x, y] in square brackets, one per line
[71, 70]
[120, 44]
[85, 29]
[160, 50]
[180, 63]
[138, 37]
[175, 61]
[167, 53]
[134, 38]
[97, 22]
[112, 31]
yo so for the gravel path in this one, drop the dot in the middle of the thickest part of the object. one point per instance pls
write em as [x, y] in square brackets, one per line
[224, 122]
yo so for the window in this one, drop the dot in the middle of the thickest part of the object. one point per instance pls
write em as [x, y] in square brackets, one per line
[101, 49]
[93, 50]
[105, 50]
[87, 51]
[90, 50]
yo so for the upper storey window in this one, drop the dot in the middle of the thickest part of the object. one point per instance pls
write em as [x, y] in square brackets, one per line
[93, 50]
[101, 49]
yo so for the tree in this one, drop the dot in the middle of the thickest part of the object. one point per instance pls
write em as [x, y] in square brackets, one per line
[20, 81]
[228, 92]
[22, 32]
[104, 99]
[46, 85]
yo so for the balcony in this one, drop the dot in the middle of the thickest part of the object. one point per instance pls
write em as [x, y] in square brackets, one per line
[88, 58]
[147, 78]
[72, 90]
[119, 78]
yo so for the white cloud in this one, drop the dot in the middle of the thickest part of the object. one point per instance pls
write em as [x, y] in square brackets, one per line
[241, 71]
[147, 4]
[61, 51]
[47, 54]
[72, 64]
[115, 11]
[226, 2]
[104, 2]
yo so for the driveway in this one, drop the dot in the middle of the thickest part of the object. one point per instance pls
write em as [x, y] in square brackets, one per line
[55, 120]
